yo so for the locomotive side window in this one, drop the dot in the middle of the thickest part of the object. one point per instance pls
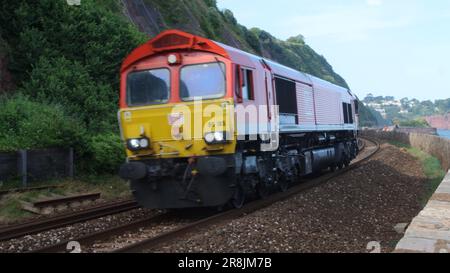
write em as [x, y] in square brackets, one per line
[345, 109]
[350, 113]
[205, 81]
[286, 95]
[148, 87]
[247, 85]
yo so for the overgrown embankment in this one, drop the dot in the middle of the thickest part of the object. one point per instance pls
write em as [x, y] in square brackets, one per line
[433, 153]
[433, 145]
[431, 167]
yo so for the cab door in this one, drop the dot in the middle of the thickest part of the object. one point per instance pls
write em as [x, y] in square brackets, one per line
[270, 103]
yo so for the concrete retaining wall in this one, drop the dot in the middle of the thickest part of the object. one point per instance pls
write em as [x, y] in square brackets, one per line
[429, 232]
[433, 145]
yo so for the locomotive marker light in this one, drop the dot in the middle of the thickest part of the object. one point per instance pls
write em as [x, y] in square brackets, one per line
[174, 59]
[209, 137]
[218, 136]
[144, 143]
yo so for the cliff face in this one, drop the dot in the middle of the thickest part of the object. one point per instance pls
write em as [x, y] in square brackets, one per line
[440, 122]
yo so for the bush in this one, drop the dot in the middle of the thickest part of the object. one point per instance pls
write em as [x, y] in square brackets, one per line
[25, 124]
[106, 153]
[64, 82]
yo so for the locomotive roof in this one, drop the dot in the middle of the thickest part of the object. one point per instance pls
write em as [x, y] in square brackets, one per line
[242, 57]
[172, 40]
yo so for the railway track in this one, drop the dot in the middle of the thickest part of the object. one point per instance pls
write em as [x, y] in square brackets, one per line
[169, 236]
[33, 227]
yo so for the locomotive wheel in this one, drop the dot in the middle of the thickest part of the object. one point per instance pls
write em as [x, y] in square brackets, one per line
[283, 184]
[262, 190]
[346, 161]
[238, 199]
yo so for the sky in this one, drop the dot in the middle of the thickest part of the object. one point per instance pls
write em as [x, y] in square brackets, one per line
[395, 48]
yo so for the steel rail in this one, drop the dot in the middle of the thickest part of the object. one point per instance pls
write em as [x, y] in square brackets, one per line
[151, 243]
[102, 235]
[33, 227]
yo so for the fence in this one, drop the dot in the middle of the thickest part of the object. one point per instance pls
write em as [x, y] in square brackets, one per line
[34, 165]
[433, 145]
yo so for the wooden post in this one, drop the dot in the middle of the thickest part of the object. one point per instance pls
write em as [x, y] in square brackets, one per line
[22, 167]
[71, 163]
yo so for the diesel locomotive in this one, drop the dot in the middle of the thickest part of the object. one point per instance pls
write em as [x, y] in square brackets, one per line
[205, 124]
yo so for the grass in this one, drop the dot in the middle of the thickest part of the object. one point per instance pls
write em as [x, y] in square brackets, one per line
[110, 187]
[431, 167]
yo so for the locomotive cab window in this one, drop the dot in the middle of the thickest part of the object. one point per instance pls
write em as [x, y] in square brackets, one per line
[202, 81]
[148, 87]
[247, 85]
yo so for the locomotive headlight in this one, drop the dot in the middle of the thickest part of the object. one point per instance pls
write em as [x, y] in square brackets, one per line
[215, 138]
[136, 144]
